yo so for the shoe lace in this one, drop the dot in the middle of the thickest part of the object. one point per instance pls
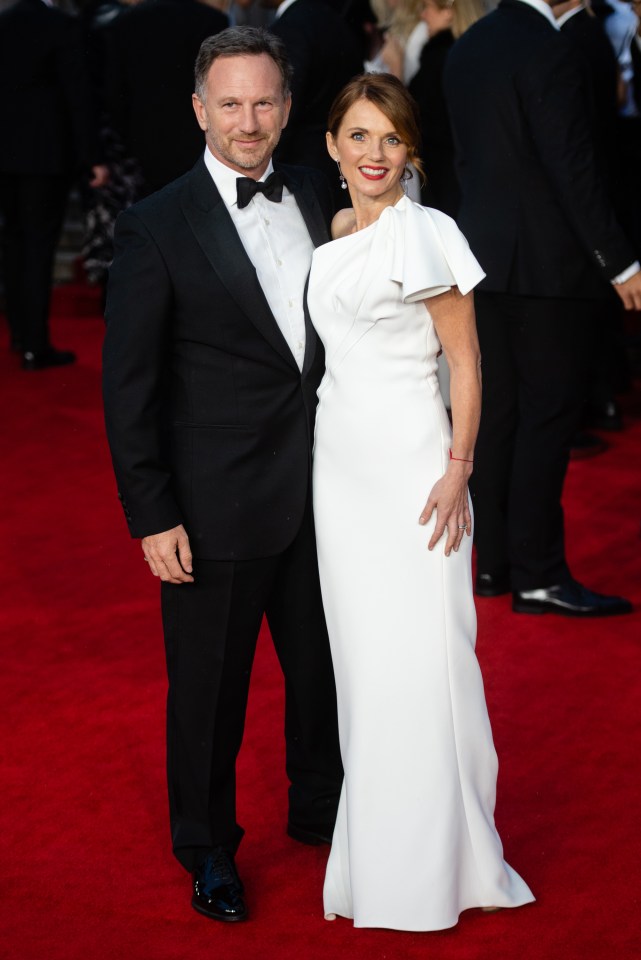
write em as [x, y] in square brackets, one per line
[216, 870]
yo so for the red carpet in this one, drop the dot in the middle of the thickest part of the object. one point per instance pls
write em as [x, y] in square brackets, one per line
[86, 865]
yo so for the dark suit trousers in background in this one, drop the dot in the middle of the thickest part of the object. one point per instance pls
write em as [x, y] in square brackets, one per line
[33, 208]
[535, 355]
[211, 628]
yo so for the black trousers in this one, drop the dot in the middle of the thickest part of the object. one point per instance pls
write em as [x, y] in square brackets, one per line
[33, 209]
[211, 628]
[535, 355]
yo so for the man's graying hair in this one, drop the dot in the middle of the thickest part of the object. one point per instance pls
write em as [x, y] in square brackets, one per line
[240, 42]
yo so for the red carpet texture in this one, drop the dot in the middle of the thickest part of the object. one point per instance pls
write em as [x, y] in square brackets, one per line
[86, 865]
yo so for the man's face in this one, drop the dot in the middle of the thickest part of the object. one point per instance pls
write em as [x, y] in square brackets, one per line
[244, 112]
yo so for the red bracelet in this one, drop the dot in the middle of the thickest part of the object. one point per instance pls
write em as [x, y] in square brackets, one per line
[461, 459]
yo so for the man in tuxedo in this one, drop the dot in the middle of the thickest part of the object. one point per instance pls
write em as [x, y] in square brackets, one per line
[536, 214]
[608, 374]
[325, 54]
[210, 377]
[48, 138]
[149, 53]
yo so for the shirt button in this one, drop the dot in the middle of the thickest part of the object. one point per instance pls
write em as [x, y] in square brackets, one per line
[267, 222]
[291, 303]
[279, 262]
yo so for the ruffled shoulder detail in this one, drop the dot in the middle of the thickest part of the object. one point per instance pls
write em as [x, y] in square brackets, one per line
[431, 255]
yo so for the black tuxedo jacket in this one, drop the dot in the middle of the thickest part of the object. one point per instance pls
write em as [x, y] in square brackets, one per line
[209, 419]
[47, 122]
[601, 72]
[534, 207]
[325, 55]
[437, 151]
[150, 53]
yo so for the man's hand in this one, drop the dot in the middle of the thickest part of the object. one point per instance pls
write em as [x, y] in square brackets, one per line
[630, 291]
[169, 556]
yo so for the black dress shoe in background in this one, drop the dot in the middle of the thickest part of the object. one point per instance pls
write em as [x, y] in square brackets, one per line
[314, 835]
[41, 359]
[570, 599]
[492, 585]
[217, 888]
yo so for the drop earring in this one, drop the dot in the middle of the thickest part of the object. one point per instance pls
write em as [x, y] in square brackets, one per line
[340, 176]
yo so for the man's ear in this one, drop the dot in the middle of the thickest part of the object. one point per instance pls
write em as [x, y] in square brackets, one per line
[288, 107]
[200, 111]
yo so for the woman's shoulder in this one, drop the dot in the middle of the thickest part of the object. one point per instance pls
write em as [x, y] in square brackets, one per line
[343, 223]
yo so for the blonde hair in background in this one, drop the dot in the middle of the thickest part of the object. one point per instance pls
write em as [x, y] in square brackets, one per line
[399, 17]
[464, 12]
[405, 16]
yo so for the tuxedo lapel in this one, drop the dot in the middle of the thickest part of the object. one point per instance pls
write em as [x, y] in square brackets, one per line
[216, 234]
[307, 200]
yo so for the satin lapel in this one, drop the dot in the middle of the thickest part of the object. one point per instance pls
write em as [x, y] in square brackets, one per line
[216, 234]
[310, 208]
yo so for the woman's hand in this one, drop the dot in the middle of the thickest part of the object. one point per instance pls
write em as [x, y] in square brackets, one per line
[449, 497]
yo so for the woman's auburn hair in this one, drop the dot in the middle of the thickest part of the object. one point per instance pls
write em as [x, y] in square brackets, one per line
[392, 98]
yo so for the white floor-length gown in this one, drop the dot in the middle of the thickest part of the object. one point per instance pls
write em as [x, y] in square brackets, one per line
[415, 841]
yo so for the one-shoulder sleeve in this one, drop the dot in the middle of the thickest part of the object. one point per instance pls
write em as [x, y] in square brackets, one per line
[431, 255]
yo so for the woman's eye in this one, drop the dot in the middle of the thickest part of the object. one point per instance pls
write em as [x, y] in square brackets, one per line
[358, 136]
[394, 141]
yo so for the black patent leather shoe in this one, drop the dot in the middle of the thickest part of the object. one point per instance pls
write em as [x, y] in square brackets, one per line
[492, 585]
[218, 892]
[314, 834]
[569, 599]
[42, 359]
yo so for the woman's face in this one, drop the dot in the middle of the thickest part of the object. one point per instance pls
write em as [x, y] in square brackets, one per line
[437, 18]
[370, 151]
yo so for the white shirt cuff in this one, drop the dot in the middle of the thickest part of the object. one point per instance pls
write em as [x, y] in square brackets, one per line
[630, 272]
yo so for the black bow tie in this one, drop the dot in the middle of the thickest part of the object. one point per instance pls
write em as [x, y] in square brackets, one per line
[272, 187]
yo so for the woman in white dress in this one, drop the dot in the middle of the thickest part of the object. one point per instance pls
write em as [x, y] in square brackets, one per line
[415, 841]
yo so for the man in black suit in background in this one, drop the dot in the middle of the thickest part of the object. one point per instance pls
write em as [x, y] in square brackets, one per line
[149, 55]
[210, 377]
[325, 54]
[536, 215]
[48, 137]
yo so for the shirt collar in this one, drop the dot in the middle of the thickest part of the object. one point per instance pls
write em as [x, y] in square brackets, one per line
[285, 5]
[225, 178]
[543, 8]
[569, 14]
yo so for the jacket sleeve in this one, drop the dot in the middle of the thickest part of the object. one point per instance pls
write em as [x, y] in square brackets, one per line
[556, 107]
[136, 367]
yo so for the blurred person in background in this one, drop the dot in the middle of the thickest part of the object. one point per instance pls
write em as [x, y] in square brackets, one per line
[445, 21]
[49, 138]
[536, 212]
[324, 54]
[150, 52]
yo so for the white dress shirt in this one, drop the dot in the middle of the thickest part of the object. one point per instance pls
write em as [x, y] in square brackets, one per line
[278, 244]
[569, 14]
